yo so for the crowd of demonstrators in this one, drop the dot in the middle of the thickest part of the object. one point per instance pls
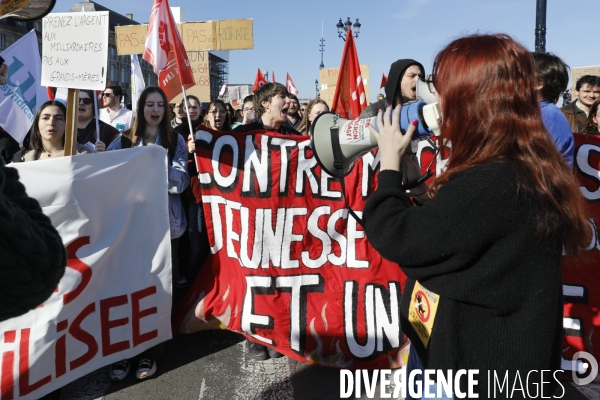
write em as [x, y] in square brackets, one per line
[293, 115]
[314, 108]
[552, 76]
[271, 104]
[47, 139]
[400, 88]
[587, 90]
[113, 113]
[153, 127]
[480, 273]
[591, 124]
[86, 124]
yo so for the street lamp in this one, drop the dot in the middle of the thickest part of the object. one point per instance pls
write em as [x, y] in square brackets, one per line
[316, 88]
[322, 46]
[342, 28]
[540, 26]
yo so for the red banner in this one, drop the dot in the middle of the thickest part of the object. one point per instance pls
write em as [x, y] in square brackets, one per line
[289, 268]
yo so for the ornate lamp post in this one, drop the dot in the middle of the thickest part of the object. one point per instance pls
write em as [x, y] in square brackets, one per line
[316, 88]
[540, 26]
[342, 28]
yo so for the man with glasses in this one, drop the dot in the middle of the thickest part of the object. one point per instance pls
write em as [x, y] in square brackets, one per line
[179, 112]
[401, 86]
[303, 109]
[86, 125]
[113, 114]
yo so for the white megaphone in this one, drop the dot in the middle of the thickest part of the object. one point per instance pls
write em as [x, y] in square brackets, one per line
[25, 10]
[337, 142]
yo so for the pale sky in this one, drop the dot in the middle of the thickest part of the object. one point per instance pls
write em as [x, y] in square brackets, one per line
[287, 34]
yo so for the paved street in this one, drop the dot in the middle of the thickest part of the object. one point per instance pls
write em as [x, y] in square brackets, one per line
[213, 365]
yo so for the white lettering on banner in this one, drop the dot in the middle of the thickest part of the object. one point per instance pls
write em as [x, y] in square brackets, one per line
[75, 48]
[381, 309]
[582, 162]
[274, 245]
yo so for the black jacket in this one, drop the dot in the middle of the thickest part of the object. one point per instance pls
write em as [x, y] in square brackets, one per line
[284, 128]
[88, 134]
[32, 255]
[475, 245]
[392, 87]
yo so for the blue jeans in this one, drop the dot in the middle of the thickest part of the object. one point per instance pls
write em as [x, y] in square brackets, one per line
[199, 246]
[414, 363]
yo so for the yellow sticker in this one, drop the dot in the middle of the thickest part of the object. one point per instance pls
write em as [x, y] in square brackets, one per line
[421, 314]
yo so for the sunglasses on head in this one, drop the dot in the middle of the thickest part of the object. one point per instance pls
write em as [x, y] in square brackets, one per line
[87, 102]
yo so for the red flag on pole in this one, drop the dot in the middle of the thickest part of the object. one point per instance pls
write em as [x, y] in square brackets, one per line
[164, 50]
[259, 81]
[289, 84]
[383, 81]
[349, 98]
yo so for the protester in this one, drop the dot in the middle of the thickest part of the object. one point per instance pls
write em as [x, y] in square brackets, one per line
[497, 221]
[401, 86]
[591, 124]
[86, 124]
[587, 90]
[303, 108]
[271, 103]
[314, 108]
[152, 127]
[47, 134]
[193, 106]
[33, 255]
[113, 114]
[248, 112]
[216, 118]
[552, 75]
[179, 113]
[230, 111]
[8, 146]
[293, 116]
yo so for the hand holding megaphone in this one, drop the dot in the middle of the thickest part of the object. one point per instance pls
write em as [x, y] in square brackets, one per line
[390, 139]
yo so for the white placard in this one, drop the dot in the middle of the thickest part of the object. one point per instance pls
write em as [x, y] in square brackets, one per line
[75, 50]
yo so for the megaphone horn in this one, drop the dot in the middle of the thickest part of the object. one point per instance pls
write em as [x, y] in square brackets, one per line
[26, 10]
[337, 142]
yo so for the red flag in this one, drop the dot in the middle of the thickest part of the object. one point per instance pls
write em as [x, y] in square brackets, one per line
[383, 81]
[50, 93]
[349, 98]
[259, 81]
[272, 76]
[289, 84]
[164, 50]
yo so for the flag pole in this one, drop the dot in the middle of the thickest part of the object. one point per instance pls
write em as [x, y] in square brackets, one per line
[96, 112]
[187, 111]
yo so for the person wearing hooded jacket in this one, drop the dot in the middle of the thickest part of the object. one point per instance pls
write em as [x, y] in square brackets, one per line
[401, 86]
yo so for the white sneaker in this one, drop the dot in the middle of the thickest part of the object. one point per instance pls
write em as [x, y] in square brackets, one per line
[120, 370]
[146, 368]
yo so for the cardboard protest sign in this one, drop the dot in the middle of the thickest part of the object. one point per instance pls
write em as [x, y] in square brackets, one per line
[75, 48]
[289, 267]
[114, 300]
[329, 77]
[234, 34]
[199, 63]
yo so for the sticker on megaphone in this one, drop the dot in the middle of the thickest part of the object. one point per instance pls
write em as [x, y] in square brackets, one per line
[356, 131]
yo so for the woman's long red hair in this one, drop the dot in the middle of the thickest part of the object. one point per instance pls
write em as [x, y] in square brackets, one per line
[490, 113]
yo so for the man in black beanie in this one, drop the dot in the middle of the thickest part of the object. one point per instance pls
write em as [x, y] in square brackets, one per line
[401, 86]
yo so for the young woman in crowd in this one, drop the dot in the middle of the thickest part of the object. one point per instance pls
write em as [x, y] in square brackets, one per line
[153, 127]
[591, 125]
[271, 104]
[314, 108]
[215, 118]
[47, 134]
[86, 124]
[483, 254]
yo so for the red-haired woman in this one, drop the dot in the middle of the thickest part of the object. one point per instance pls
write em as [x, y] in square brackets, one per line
[488, 279]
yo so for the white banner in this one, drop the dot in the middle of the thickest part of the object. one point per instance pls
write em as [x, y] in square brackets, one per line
[137, 81]
[115, 298]
[23, 94]
[75, 50]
